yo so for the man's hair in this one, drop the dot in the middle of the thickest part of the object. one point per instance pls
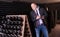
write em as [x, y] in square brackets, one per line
[33, 3]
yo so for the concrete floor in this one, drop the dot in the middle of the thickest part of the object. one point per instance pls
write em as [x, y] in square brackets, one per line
[55, 32]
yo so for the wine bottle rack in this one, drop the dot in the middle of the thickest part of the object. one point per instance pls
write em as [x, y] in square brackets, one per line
[14, 26]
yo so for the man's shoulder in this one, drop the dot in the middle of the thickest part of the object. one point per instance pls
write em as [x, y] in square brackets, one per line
[32, 11]
[41, 8]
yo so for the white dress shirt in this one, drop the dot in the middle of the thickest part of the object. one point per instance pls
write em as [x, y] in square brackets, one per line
[40, 20]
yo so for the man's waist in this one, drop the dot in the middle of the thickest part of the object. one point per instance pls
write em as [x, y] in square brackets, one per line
[39, 25]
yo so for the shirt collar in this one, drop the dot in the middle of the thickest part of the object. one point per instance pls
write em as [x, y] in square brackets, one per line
[37, 8]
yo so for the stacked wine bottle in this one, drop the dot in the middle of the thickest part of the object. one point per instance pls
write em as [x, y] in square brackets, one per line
[13, 26]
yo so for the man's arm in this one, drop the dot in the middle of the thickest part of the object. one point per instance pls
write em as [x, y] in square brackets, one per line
[33, 17]
[44, 13]
[38, 17]
[44, 16]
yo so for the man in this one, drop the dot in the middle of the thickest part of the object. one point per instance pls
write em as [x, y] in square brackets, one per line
[38, 15]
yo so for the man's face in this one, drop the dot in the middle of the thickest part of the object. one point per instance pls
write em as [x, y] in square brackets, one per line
[33, 6]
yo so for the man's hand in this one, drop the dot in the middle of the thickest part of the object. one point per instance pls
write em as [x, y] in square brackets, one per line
[42, 17]
[38, 17]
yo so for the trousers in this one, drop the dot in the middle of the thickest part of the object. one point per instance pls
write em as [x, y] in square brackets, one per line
[41, 28]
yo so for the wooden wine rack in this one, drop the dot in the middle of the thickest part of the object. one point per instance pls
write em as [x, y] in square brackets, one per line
[26, 32]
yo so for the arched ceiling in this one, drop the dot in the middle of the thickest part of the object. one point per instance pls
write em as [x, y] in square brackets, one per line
[42, 1]
[37, 1]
